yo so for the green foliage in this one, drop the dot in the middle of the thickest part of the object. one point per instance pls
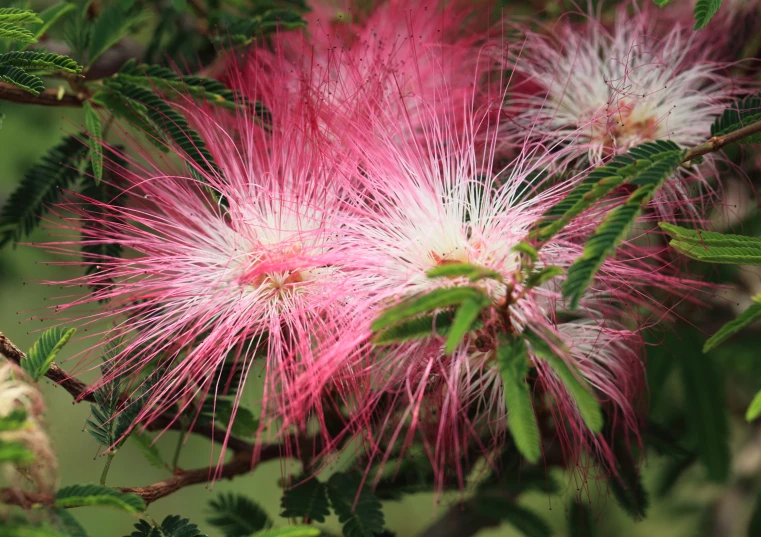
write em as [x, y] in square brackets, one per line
[613, 228]
[455, 270]
[16, 15]
[159, 117]
[580, 523]
[707, 418]
[746, 318]
[41, 355]
[20, 78]
[114, 22]
[49, 17]
[98, 495]
[43, 61]
[424, 303]
[466, 316]
[95, 130]
[512, 360]
[754, 409]
[361, 514]
[602, 180]
[743, 112]
[11, 31]
[69, 524]
[237, 516]
[244, 30]
[219, 410]
[627, 487]
[149, 450]
[499, 507]
[415, 328]
[662, 3]
[41, 186]
[586, 403]
[163, 78]
[171, 526]
[754, 526]
[704, 12]
[306, 499]
[712, 247]
[538, 277]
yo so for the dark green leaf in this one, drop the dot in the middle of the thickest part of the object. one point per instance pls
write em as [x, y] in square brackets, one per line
[627, 486]
[95, 130]
[704, 12]
[18, 16]
[466, 316]
[415, 328]
[237, 516]
[745, 319]
[45, 61]
[662, 3]
[49, 17]
[426, 303]
[69, 524]
[82, 495]
[290, 531]
[580, 523]
[16, 33]
[149, 450]
[754, 526]
[41, 355]
[114, 22]
[359, 511]
[171, 526]
[502, 508]
[672, 472]
[454, 270]
[512, 360]
[306, 499]
[18, 77]
[743, 112]
[40, 187]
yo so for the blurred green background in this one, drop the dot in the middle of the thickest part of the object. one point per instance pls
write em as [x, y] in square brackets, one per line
[694, 507]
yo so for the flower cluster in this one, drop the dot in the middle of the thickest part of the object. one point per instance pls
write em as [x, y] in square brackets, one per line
[394, 145]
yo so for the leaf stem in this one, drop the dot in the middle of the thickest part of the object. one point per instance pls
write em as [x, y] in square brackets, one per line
[178, 448]
[109, 459]
[48, 97]
[715, 143]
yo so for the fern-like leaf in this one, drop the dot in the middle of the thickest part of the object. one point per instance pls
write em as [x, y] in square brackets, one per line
[70, 525]
[49, 17]
[742, 112]
[361, 515]
[306, 499]
[290, 531]
[499, 507]
[712, 247]
[16, 33]
[89, 495]
[237, 516]
[45, 61]
[426, 303]
[704, 12]
[20, 78]
[40, 187]
[41, 355]
[171, 526]
[16, 15]
[746, 318]
[512, 360]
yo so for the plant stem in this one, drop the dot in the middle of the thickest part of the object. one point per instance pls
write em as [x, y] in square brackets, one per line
[110, 457]
[178, 449]
[48, 97]
[717, 142]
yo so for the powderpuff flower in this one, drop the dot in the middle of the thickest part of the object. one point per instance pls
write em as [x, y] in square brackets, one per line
[230, 264]
[604, 92]
[425, 202]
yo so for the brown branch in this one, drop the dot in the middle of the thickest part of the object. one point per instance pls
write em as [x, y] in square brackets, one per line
[48, 97]
[717, 142]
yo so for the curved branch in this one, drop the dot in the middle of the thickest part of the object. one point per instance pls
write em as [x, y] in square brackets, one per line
[48, 97]
[715, 143]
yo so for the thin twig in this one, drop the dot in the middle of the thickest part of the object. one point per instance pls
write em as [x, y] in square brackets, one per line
[717, 142]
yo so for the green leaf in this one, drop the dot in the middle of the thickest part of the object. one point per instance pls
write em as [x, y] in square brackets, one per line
[159, 116]
[69, 524]
[18, 77]
[745, 319]
[41, 355]
[90, 495]
[114, 22]
[13, 421]
[18, 16]
[244, 30]
[527, 250]
[94, 128]
[11, 31]
[41, 186]
[45, 61]
[49, 17]
[707, 417]
[501, 508]
[290, 531]
[602, 180]
[580, 523]
[586, 403]
[754, 409]
[627, 486]
[426, 303]
[162, 78]
[754, 526]
[713, 247]
[662, 3]
[542, 275]
[467, 314]
[512, 360]
[743, 112]
[454, 270]
[237, 516]
[415, 328]
[704, 12]
[13, 452]
[361, 516]
[672, 472]
[149, 450]
[306, 499]
[171, 526]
